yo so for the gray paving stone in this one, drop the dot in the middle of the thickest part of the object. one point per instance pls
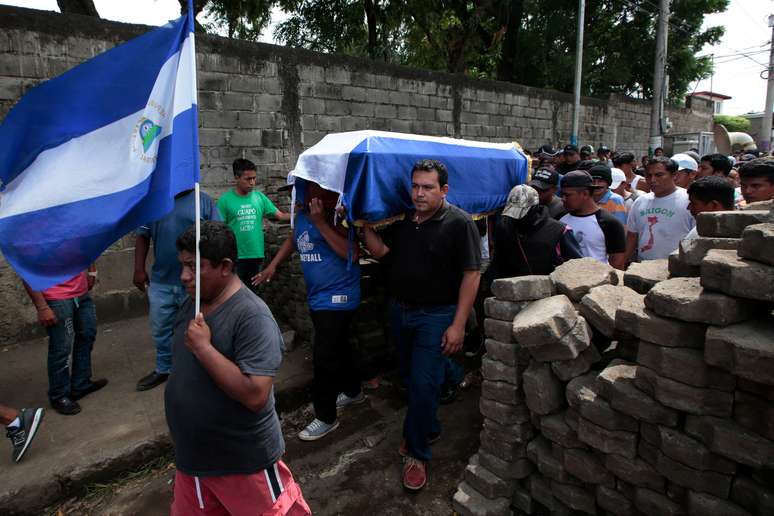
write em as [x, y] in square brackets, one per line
[755, 497]
[758, 243]
[645, 324]
[516, 470]
[502, 413]
[587, 466]
[651, 502]
[554, 428]
[743, 349]
[680, 396]
[617, 384]
[641, 276]
[702, 504]
[575, 278]
[582, 395]
[575, 497]
[517, 432]
[711, 482]
[566, 370]
[469, 502]
[754, 413]
[607, 441]
[523, 288]
[501, 391]
[693, 251]
[729, 439]
[503, 310]
[600, 305]
[728, 224]
[509, 353]
[685, 365]
[687, 300]
[486, 482]
[544, 392]
[540, 453]
[678, 268]
[634, 471]
[724, 271]
[544, 321]
[501, 331]
[497, 371]
[614, 502]
[685, 449]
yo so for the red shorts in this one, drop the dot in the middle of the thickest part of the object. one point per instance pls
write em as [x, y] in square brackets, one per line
[272, 492]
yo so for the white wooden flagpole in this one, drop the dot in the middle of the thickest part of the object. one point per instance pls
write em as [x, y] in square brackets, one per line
[198, 300]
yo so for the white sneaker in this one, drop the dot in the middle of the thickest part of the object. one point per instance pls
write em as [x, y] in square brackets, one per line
[342, 400]
[316, 430]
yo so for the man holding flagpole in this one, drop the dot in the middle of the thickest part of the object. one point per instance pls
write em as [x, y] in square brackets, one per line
[219, 401]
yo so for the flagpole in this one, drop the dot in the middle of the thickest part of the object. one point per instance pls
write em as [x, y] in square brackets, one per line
[197, 209]
[197, 201]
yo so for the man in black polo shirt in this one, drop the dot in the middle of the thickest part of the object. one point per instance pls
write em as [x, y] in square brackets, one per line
[434, 258]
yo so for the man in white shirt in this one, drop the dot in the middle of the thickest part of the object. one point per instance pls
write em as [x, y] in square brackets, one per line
[600, 235]
[659, 219]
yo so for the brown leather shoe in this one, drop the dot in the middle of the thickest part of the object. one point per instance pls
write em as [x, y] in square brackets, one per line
[414, 474]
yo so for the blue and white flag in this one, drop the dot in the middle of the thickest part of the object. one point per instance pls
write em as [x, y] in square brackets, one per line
[94, 153]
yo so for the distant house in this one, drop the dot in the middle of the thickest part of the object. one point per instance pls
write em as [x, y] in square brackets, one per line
[716, 99]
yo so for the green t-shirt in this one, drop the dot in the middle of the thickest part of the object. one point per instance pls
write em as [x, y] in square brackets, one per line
[244, 215]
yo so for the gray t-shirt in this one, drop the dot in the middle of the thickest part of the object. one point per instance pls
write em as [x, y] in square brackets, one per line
[215, 435]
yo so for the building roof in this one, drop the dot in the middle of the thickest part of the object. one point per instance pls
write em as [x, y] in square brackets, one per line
[710, 94]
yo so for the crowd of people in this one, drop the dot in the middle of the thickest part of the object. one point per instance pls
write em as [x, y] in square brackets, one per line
[440, 264]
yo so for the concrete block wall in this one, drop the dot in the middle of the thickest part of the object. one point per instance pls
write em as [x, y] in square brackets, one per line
[602, 399]
[268, 103]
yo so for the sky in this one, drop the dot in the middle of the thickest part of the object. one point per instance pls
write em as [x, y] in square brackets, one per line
[735, 75]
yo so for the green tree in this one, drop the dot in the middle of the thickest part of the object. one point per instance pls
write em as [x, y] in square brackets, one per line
[530, 42]
[734, 124]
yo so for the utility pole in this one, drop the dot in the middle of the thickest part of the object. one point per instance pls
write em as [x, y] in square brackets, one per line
[767, 113]
[578, 71]
[657, 107]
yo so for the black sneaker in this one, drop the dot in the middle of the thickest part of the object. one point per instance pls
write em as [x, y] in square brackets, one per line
[93, 387]
[21, 436]
[152, 380]
[449, 392]
[66, 406]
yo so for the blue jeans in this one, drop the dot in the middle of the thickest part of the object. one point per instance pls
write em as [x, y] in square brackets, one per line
[417, 334]
[165, 301]
[73, 333]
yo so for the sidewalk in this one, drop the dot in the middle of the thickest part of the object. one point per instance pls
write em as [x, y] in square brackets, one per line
[118, 428]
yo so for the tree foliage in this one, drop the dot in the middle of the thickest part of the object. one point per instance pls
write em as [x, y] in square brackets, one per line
[734, 124]
[530, 42]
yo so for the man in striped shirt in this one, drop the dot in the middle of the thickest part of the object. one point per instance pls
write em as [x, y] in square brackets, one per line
[603, 196]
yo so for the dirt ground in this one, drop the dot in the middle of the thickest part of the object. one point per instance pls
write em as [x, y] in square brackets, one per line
[355, 470]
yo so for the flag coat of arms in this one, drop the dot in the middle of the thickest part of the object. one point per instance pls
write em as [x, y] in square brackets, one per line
[92, 154]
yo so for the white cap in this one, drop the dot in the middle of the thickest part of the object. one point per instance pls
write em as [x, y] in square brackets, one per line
[618, 178]
[684, 161]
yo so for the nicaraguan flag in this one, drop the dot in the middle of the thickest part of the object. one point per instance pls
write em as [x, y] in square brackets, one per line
[94, 153]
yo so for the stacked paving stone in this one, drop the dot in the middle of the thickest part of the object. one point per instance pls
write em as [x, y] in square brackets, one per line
[655, 396]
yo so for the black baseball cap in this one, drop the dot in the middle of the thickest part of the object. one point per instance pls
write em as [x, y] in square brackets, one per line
[602, 172]
[603, 148]
[569, 149]
[587, 149]
[544, 178]
[577, 179]
[547, 150]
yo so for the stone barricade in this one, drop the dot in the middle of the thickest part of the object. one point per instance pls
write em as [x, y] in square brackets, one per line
[654, 399]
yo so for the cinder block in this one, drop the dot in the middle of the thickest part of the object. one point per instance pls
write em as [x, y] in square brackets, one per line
[523, 288]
